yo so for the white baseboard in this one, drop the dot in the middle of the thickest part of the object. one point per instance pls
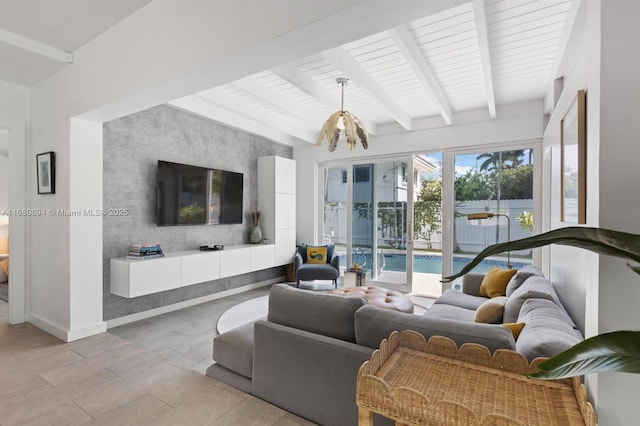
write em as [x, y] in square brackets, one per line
[92, 330]
[187, 303]
[46, 325]
[62, 333]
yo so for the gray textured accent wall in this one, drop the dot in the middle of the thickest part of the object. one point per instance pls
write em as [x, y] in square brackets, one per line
[132, 147]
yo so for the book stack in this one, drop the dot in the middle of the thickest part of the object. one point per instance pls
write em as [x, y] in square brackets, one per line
[144, 251]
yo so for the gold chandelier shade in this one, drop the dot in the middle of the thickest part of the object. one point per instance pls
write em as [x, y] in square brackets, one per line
[339, 120]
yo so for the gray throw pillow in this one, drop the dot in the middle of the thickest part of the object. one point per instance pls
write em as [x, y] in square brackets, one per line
[548, 330]
[521, 276]
[533, 288]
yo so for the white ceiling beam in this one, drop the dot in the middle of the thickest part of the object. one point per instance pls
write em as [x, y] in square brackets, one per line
[480, 18]
[276, 99]
[34, 46]
[412, 53]
[572, 13]
[199, 106]
[312, 88]
[252, 112]
[354, 72]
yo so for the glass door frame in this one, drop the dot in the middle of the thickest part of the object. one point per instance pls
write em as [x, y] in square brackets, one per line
[448, 194]
[349, 166]
[448, 197]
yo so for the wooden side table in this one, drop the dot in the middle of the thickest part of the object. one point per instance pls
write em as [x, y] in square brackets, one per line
[357, 277]
[418, 383]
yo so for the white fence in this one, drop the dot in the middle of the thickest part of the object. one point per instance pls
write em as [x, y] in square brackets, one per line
[470, 236]
[474, 235]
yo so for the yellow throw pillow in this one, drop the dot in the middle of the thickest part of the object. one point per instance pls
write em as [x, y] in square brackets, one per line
[495, 282]
[4, 265]
[316, 254]
[515, 328]
[490, 312]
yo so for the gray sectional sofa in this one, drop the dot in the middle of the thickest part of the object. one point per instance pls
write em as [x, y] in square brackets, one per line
[304, 357]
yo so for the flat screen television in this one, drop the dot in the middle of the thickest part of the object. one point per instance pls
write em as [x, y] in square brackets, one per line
[192, 195]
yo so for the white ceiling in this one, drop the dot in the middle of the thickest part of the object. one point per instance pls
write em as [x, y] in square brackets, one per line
[474, 56]
[38, 37]
[477, 55]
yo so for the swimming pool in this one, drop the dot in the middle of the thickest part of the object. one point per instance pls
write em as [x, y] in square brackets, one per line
[429, 263]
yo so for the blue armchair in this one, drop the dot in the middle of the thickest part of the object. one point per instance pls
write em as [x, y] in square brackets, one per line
[316, 271]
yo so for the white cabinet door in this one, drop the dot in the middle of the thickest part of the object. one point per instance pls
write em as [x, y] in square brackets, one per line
[235, 261]
[285, 246]
[200, 267]
[285, 175]
[263, 256]
[133, 278]
[285, 211]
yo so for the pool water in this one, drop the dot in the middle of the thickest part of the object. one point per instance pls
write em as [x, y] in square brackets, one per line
[430, 264]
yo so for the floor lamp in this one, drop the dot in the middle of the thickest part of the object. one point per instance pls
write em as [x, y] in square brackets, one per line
[484, 215]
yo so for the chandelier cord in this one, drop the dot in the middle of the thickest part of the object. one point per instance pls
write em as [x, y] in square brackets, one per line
[342, 98]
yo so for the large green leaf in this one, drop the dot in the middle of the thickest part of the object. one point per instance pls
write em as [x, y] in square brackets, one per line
[598, 240]
[617, 351]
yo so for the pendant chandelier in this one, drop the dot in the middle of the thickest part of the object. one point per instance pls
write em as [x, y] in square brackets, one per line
[342, 120]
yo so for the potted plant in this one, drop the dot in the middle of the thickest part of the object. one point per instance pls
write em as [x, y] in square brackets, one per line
[615, 351]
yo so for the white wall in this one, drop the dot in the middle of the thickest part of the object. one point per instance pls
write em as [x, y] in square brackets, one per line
[600, 290]
[571, 282]
[14, 101]
[162, 52]
[619, 288]
[518, 122]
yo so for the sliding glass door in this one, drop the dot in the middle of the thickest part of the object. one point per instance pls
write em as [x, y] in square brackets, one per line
[368, 213]
[427, 239]
[405, 220]
[493, 203]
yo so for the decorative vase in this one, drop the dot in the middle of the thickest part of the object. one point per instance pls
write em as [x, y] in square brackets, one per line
[255, 237]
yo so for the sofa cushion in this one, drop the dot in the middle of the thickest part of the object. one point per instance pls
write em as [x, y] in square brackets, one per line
[533, 308]
[546, 333]
[234, 350]
[463, 300]
[374, 324]
[327, 314]
[521, 276]
[226, 376]
[450, 312]
[312, 271]
[491, 311]
[515, 328]
[495, 282]
[534, 287]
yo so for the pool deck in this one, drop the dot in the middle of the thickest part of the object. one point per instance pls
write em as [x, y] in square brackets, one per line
[427, 285]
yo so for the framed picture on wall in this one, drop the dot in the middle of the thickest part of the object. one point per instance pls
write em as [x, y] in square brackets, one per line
[46, 172]
[573, 159]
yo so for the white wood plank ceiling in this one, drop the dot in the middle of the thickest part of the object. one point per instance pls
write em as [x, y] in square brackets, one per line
[477, 55]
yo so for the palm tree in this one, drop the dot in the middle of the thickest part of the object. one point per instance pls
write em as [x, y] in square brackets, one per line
[495, 162]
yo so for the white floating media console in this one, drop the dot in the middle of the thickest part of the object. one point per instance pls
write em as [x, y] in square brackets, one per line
[276, 202]
[133, 278]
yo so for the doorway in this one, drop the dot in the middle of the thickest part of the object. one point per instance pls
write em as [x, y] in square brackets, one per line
[4, 225]
[16, 227]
